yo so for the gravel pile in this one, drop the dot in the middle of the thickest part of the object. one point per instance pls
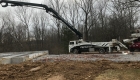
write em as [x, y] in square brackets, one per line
[89, 57]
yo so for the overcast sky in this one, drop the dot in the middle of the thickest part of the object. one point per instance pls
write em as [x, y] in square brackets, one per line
[33, 1]
[36, 1]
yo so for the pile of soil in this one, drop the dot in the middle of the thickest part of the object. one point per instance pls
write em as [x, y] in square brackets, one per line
[64, 70]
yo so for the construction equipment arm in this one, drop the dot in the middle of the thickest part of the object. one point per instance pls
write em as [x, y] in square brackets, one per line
[45, 7]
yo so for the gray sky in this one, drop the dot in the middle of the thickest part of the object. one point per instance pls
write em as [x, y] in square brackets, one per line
[36, 1]
[33, 1]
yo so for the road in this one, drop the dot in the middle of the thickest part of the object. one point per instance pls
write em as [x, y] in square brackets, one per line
[117, 57]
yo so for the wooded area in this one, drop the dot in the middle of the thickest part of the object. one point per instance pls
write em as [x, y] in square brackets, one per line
[29, 29]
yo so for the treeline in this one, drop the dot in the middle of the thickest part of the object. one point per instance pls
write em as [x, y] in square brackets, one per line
[28, 29]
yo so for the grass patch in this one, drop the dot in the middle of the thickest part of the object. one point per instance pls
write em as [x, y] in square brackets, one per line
[117, 74]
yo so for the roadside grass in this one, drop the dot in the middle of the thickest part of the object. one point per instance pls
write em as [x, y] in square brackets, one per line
[120, 74]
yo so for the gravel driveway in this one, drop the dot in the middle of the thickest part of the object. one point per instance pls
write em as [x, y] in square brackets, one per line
[90, 57]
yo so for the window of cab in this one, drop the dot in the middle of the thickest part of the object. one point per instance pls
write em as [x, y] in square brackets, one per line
[71, 43]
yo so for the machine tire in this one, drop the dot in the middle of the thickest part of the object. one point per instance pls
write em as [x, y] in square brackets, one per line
[132, 49]
[102, 50]
[107, 50]
[75, 51]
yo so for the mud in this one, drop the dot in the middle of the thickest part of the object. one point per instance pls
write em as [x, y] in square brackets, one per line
[64, 70]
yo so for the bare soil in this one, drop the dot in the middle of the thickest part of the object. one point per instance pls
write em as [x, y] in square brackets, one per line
[70, 70]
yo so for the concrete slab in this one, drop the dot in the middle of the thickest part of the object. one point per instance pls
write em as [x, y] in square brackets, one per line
[5, 60]
[17, 60]
[18, 57]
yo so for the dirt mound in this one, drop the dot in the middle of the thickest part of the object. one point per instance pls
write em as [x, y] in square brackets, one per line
[124, 74]
[72, 70]
[58, 77]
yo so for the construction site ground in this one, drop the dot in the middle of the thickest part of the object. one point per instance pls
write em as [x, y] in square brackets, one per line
[75, 67]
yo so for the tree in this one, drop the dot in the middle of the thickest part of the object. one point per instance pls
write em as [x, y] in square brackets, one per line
[57, 5]
[122, 20]
[39, 28]
[66, 36]
[8, 30]
[24, 15]
[86, 7]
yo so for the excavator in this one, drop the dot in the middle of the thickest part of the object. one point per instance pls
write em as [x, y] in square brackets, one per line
[76, 46]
